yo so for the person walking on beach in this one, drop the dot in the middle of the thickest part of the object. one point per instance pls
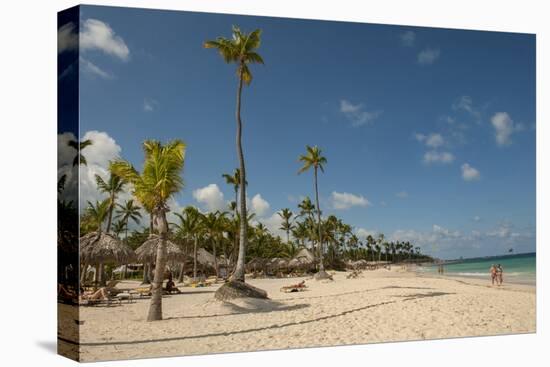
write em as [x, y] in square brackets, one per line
[499, 274]
[493, 272]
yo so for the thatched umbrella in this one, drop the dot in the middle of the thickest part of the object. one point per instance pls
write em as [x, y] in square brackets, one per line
[306, 258]
[256, 263]
[147, 252]
[97, 248]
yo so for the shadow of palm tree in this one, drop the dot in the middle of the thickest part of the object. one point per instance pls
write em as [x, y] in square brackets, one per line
[410, 297]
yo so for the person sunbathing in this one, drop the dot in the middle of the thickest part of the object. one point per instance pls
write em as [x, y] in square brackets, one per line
[99, 295]
[295, 287]
[65, 294]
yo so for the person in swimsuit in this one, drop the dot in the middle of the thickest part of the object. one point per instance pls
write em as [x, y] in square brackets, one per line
[499, 276]
[493, 272]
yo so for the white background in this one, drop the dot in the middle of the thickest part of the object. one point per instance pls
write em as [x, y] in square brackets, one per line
[28, 44]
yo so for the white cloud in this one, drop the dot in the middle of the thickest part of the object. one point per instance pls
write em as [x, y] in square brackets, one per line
[432, 140]
[402, 194]
[149, 105]
[67, 39]
[504, 128]
[469, 173]
[91, 69]
[408, 38]
[465, 103]
[434, 156]
[259, 205]
[344, 200]
[357, 114]
[363, 233]
[477, 218]
[97, 35]
[435, 140]
[428, 56]
[210, 196]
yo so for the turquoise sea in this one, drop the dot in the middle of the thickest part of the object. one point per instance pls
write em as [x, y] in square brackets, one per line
[520, 268]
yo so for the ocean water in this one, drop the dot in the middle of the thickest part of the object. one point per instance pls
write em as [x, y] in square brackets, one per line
[520, 268]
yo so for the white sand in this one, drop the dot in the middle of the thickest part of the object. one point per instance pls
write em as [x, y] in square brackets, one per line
[380, 306]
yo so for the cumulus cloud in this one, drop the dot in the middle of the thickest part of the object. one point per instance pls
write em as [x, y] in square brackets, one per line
[428, 56]
[469, 173]
[363, 233]
[434, 156]
[67, 38]
[357, 114]
[432, 140]
[98, 35]
[259, 205]
[344, 200]
[449, 243]
[210, 197]
[504, 128]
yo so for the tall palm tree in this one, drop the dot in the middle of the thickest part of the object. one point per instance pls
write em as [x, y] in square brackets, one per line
[240, 49]
[153, 187]
[119, 226]
[314, 158]
[96, 213]
[128, 211]
[112, 187]
[286, 225]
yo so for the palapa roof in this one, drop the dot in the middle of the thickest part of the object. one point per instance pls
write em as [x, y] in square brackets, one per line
[204, 257]
[102, 247]
[147, 252]
[305, 256]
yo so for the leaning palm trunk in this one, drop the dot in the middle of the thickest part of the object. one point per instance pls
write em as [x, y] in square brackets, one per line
[182, 272]
[238, 275]
[155, 308]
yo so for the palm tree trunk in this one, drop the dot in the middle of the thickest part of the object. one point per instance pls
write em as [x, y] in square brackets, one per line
[215, 259]
[321, 266]
[182, 272]
[111, 208]
[83, 273]
[238, 275]
[146, 274]
[195, 258]
[155, 308]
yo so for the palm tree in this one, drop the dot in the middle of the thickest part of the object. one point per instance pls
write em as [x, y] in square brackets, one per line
[153, 187]
[128, 211]
[79, 146]
[112, 187]
[190, 227]
[118, 227]
[213, 224]
[97, 213]
[314, 158]
[286, 225]
[240, 49]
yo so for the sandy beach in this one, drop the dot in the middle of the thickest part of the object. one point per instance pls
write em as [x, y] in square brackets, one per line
[379, 306]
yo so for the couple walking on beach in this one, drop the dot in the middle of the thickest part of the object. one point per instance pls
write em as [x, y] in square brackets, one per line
[496, 274]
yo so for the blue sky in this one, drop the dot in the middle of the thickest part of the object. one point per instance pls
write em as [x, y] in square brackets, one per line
[429, 133]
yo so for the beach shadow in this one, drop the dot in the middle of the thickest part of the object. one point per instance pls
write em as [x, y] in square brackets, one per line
[249, 308]
[228, 333]
[411, 297]
[399, 287]
[48, 345]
